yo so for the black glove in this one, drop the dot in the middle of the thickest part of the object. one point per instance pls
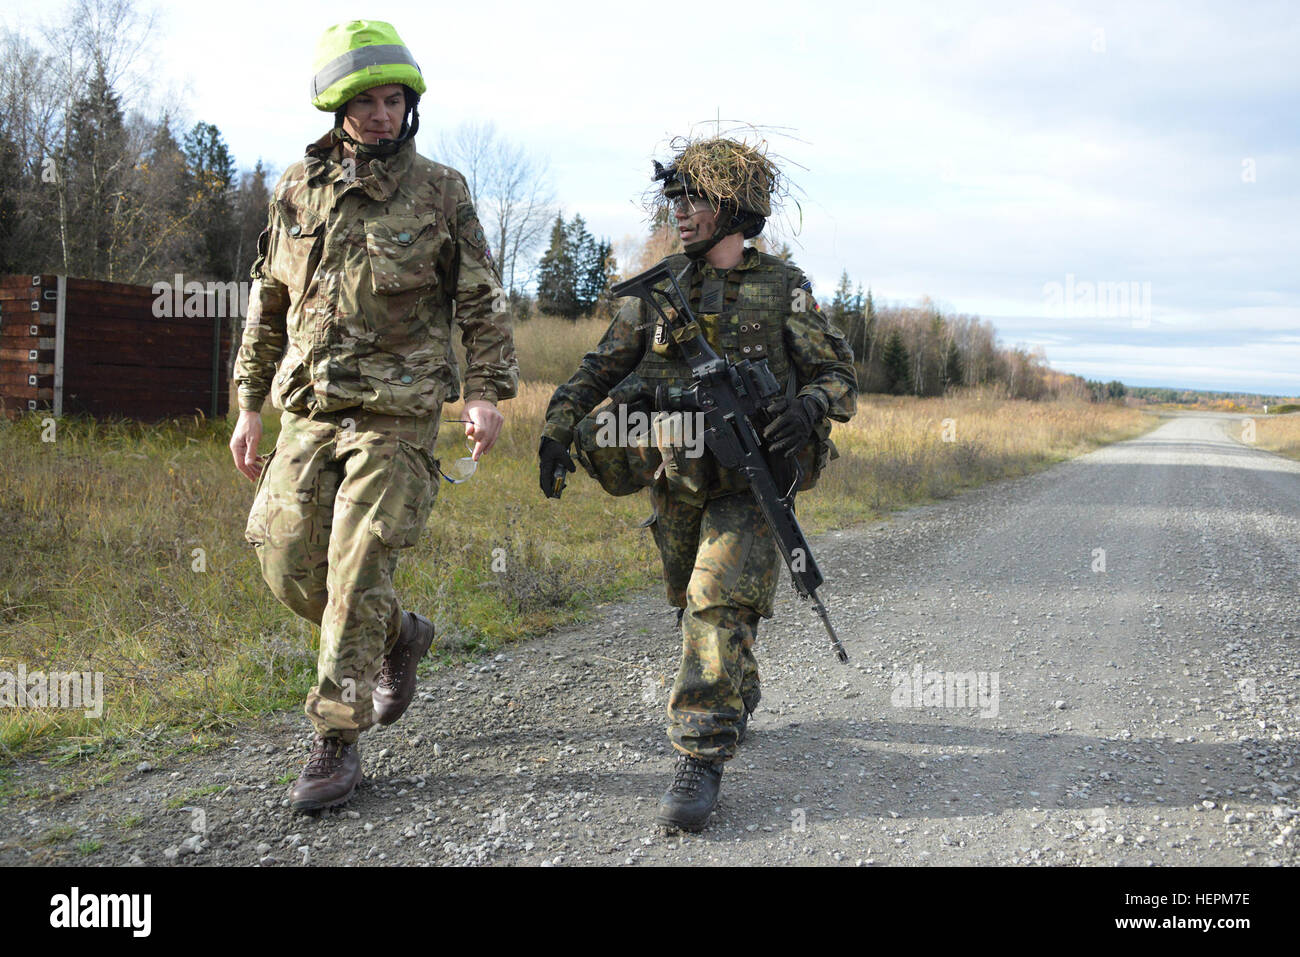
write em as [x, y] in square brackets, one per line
[792, 424]
[553, 456]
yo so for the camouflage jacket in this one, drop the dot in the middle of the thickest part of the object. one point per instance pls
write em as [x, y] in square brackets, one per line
[762, 291]
[359, 275]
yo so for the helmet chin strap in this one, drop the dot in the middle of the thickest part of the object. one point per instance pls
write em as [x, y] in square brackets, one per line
[739, 222]
[700, 248]
[368, 151]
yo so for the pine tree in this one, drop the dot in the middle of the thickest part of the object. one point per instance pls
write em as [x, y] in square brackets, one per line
[865, 350]
[897, 365]
[841, 304]
[164, 160]
[580, 241]
[929, 355]
[251, 202]
[97, 141]
[574, 273]
[588, 273]
[210, 160]
[557, 291]
[213, 171]
[952, 366]
[160, 231]
[594, 273]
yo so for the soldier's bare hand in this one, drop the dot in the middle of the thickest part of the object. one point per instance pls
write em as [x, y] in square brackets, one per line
[244, 443]
[484, 425]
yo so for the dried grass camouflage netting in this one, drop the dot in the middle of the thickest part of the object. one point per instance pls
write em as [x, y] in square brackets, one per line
[736, 168]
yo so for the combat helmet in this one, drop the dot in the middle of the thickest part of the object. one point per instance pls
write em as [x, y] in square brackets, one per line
[359, 55]
[737, 179]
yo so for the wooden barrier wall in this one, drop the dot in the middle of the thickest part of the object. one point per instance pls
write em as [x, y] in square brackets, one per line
[81, 346]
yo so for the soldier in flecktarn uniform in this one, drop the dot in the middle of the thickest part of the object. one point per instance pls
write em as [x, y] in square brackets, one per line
[369, 253]
[720, 560]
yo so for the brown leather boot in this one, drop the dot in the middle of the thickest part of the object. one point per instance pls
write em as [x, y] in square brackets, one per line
[332, 773]
[396, 686]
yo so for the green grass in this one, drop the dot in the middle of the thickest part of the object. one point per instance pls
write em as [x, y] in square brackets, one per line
[57, 835]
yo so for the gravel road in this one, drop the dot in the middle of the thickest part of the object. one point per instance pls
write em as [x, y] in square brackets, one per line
[1133, 609]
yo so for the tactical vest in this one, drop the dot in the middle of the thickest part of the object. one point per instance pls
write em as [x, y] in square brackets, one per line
[742, 316]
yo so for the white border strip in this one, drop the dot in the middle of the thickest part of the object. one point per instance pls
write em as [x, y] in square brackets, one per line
[60, 316]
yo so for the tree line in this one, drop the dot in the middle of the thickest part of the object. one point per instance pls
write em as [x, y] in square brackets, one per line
[94, 185]
[90, 186]
[921, 350]
[575, 272]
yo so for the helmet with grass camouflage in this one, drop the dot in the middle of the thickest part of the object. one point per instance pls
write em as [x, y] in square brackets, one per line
[359, 55]
[735, 178]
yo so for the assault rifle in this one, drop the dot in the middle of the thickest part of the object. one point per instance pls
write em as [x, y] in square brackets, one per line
[731, 396]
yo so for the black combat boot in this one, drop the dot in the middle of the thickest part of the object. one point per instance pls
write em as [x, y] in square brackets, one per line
[332, 773]
[693, 796]
[396, 686]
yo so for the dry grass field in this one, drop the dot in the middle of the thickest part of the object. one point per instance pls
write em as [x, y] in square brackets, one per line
[122, 550]
[1280, 434]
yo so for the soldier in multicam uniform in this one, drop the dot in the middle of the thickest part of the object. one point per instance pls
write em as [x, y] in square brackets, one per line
[370, 252]
[720, 561]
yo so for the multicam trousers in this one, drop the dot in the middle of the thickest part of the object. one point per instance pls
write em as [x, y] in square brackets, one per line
[721, 565]
[339, 498]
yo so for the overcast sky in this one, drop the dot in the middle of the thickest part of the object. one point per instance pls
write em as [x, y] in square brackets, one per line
[1004, 159]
